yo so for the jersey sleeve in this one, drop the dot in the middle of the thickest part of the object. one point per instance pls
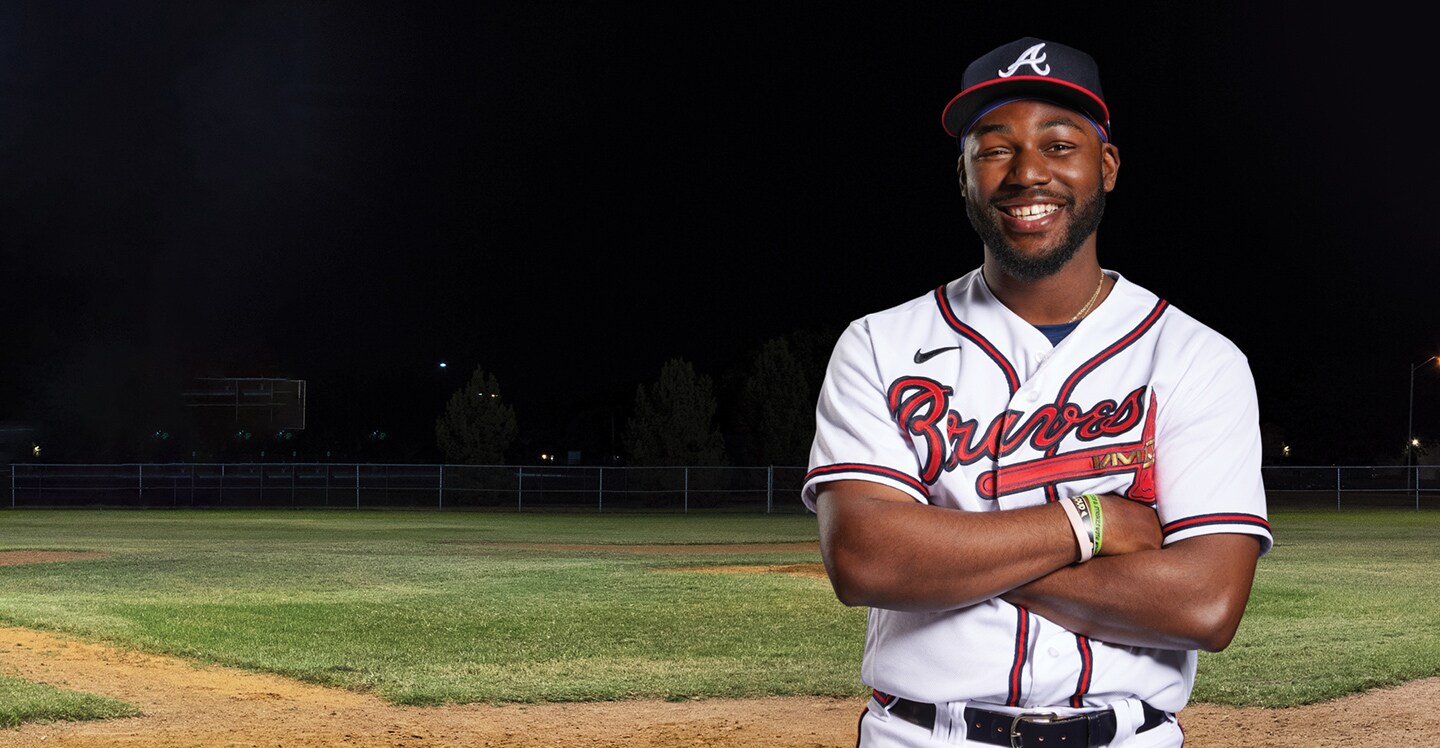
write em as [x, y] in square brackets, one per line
[1207, 451]
[855, 436]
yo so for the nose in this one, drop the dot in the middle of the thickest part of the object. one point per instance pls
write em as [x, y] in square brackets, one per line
[1029, 168]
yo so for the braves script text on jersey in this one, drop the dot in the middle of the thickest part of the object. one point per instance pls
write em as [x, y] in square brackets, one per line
[955, 400]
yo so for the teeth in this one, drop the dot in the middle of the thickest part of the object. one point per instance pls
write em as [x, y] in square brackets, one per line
[1033, 211]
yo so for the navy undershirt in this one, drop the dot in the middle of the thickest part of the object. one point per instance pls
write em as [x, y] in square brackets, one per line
[1057, 333]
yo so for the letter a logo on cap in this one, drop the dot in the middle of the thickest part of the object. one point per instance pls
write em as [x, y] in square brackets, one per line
[1032, 57]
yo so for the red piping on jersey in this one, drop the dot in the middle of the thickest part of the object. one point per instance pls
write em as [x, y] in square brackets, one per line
[1100, 358]
[856, 467]
[943, 302]
[1087, 669]
[1022, 649]
[1203, 520]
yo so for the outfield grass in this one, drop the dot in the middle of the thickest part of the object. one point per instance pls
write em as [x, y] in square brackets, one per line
[1345, 601]
[22, 701]
[424, 608]
[429, 607]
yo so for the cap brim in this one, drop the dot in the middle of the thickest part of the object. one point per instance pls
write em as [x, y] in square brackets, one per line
[970, 102]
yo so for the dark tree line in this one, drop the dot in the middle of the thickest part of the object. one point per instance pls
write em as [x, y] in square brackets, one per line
[762, 412]
[757, 411]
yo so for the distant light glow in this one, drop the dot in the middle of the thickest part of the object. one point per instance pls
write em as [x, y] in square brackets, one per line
[442, 364]
[35, 450]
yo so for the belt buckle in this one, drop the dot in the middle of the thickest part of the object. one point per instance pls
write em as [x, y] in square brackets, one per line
[1039, 718]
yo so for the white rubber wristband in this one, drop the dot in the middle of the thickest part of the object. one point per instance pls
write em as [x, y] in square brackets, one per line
[1082, 533]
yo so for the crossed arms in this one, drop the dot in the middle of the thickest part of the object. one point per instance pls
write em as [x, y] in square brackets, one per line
[883, 549]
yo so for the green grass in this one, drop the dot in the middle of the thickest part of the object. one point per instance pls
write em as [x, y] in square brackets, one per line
[23, 701]
[429, 607]
[1344, 602]
[422, 608]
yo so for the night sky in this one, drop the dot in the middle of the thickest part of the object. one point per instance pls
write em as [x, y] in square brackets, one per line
[569, 194]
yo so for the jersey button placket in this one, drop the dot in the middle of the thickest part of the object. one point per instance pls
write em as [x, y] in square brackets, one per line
[1022, 401]
[1054, 670]
[1029, 392]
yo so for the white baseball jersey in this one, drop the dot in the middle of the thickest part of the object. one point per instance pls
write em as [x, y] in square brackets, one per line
[957, 401]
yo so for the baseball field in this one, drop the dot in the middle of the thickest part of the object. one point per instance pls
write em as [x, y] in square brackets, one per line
[195, 627]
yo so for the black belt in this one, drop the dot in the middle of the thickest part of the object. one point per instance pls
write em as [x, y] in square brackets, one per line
[1029, 729]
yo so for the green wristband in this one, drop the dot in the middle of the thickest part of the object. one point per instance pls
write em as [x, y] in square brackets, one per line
[1095, 519]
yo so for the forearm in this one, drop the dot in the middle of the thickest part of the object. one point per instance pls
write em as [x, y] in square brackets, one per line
[1189, 595]
[887, 553]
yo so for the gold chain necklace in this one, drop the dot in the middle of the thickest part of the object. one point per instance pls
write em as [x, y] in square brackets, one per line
[1091, 302]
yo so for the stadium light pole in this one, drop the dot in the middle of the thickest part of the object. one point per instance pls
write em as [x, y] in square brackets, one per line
[1410, 426]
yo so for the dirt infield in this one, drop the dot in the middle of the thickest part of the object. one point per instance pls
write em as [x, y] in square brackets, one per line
[187, 705]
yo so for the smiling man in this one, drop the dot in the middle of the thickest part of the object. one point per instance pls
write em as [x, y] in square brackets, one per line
[1041, 479]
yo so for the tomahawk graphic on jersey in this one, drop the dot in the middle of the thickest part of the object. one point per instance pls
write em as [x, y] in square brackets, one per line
[958, 402]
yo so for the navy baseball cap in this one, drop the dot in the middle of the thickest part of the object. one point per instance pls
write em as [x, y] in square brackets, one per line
[1028, 68]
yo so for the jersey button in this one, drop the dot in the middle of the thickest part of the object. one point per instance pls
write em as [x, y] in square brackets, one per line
[1054, 652]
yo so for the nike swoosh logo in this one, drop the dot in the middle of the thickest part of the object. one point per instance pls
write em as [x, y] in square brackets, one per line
[923, 356]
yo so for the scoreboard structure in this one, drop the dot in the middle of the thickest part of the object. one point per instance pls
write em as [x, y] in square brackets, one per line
[248, 403]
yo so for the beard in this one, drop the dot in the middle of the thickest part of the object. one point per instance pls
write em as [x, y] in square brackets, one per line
[1084, 221]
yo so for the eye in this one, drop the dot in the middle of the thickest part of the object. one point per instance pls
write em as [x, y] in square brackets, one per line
[991, 153]
[1060, 147]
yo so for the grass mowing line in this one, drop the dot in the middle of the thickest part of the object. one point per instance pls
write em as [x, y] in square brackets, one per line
[429, 607]
[24, 701]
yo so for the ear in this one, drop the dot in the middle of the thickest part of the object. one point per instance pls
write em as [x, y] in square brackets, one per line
[1109, 165]
[960, 173]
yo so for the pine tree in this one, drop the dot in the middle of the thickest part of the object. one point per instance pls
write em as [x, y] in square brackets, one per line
[477, 426]
[674, 420]
[778, 406]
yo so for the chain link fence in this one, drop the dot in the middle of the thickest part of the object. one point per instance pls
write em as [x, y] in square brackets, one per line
[770, 489]
[1343, 487]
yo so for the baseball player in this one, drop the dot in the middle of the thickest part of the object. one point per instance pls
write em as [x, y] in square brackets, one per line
[1042, 479]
